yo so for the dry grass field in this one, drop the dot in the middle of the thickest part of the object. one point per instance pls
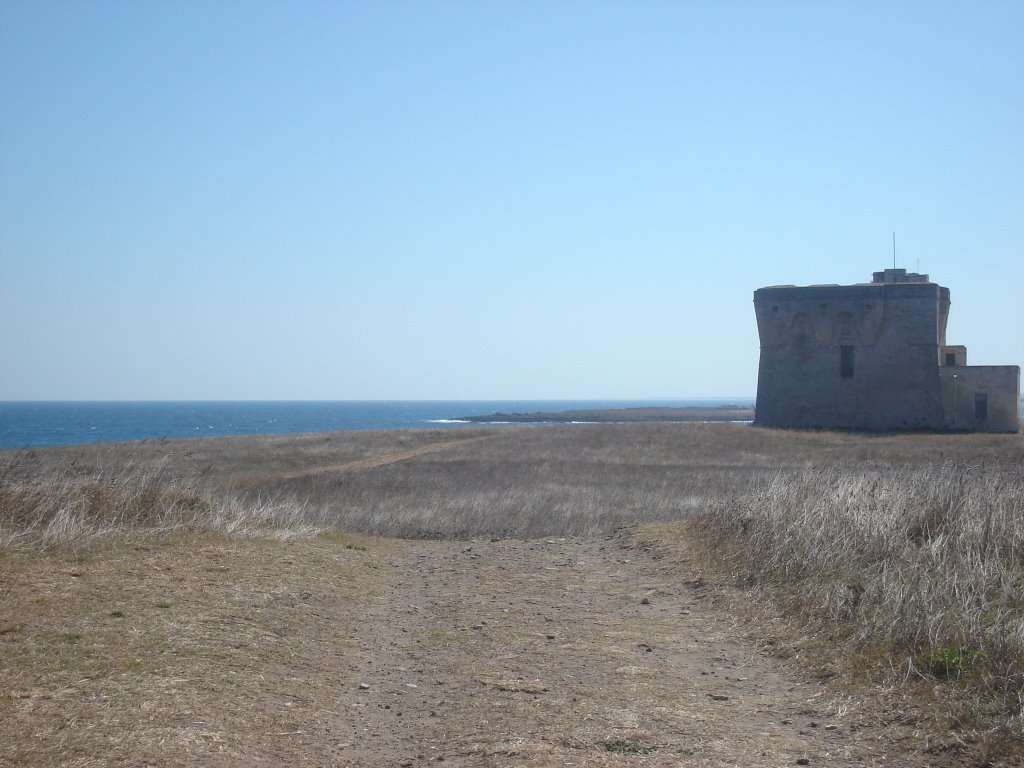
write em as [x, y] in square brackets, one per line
[664, 594]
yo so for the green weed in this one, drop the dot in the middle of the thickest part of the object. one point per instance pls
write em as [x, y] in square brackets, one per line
[947, 662]
[626, 747]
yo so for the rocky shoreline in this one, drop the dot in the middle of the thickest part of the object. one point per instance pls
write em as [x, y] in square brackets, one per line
[619, 415]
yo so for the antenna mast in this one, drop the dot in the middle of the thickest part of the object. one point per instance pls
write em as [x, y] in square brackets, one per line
[894, 250]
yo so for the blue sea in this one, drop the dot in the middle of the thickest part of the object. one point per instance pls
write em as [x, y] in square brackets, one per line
[36, 424]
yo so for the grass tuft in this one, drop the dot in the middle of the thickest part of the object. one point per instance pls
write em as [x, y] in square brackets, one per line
[626, 747]
[947, 662]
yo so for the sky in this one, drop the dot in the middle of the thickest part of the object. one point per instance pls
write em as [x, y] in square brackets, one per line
[225, 199]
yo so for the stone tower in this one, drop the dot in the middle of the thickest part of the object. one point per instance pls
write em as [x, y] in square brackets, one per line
[873, 356]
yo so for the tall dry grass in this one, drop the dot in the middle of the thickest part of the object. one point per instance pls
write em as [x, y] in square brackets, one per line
[518, 482]
[40, 511]
[925, 558]
[919, 566]
[532, 482]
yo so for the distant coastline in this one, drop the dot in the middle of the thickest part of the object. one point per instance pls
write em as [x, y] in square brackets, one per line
[618, 415]
[37, 424]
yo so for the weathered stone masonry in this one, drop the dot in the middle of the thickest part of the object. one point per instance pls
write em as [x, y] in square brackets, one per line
[873, 356]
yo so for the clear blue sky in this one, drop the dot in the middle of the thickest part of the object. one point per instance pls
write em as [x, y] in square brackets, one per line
[362, 200]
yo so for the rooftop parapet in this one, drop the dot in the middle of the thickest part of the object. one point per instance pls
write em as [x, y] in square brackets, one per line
[898, 276]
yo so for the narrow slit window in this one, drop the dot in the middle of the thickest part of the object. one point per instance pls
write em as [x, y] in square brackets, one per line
[846, 361]
[981, 406]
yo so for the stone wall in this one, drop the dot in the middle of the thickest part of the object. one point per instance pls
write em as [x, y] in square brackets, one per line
[999, 385]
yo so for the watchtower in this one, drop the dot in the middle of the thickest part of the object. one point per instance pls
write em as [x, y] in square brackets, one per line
[873, 356]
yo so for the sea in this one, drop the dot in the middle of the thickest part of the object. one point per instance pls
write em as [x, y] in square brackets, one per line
[25, 424]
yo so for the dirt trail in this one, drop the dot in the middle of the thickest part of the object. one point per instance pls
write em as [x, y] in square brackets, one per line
[604, 651]
[356, 465]
[573, 652]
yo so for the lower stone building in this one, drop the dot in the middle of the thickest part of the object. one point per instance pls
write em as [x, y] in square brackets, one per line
[873, 356]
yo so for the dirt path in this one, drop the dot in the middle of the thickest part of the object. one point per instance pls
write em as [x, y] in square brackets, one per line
[572, 652]
[381, 652]
[356, 465]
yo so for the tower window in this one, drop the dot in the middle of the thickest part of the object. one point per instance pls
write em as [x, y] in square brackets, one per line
[951, 358]
[846, 361]
[981, 406]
